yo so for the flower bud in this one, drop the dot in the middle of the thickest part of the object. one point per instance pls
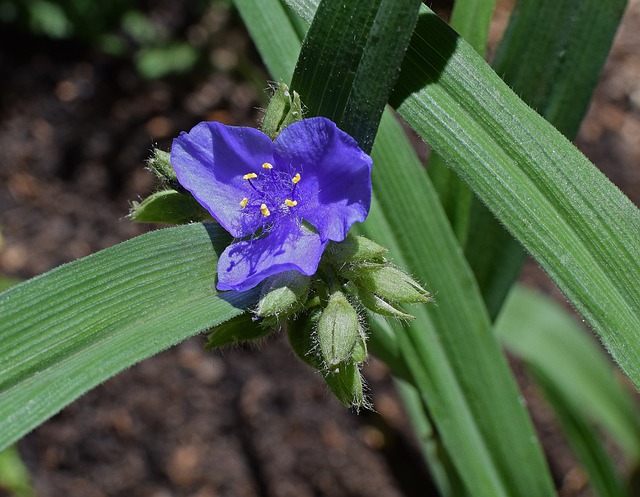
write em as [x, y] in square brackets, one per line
[377, 304]
[346, 384]
[283, 110]
[388, 282]
[283, 293]
[170, 207]
[160, 165]
[338, 330]
[355, 249]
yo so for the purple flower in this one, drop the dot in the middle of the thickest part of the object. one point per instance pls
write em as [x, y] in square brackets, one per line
[282, 201]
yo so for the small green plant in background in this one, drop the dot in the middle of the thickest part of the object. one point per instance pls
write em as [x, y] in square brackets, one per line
[14, 477]
[504, 181]
[117, 28]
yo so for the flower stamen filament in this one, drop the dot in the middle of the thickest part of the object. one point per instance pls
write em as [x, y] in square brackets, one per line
[248, 177]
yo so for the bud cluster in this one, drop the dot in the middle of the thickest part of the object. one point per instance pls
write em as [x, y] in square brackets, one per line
[324, 315]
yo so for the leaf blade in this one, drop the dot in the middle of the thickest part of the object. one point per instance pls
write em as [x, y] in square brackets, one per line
[580, 228]
[122, 305]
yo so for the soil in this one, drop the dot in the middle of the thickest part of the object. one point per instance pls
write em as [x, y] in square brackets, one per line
[75, 128]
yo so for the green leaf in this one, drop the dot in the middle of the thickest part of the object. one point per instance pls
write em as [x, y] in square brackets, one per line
[579, 227]
[70, 329]
[556, 348]
[585, 443]
[158, 62]
[442, 471]
[456, 363]
[273, 24]
[14, 476]
[577, 380]
[551, 56]
[350, 79]
[472, 18]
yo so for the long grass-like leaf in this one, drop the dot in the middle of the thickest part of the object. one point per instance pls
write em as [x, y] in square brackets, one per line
[68, 330]
[551, 55]
[554, 345]
[344, 72]
[577, 379]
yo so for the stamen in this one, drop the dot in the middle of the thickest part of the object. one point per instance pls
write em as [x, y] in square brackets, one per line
[265, 210]
[266, 165]
[295, 179]
[250, 176]
[244, 202]
[291, 203]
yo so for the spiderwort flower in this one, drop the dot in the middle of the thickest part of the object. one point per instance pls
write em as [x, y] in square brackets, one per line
[282, 201]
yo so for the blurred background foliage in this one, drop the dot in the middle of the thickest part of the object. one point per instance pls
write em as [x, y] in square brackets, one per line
[170, 39]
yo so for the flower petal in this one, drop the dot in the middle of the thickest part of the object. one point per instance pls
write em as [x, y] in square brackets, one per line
[335, 185]
[288, 246]
[210, 162]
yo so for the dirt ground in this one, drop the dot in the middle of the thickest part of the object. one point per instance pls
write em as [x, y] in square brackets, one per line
[75, 129]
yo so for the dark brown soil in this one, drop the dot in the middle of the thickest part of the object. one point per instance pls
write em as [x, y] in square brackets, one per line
[75, 129]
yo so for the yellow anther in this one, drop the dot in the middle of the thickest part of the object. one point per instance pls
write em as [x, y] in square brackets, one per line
[244, 202]
[265, 210]
[266, 165]
[291, 203]
[296, 178]
[250, 176]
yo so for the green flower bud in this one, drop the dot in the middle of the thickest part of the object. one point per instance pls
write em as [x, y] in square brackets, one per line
[388, 282]
[283, 110]
[338, 330]
[346, 384]
[283, 293]
[239, 329]
[377, 304]
[170, 207]
[160, 165]
[355, 249]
